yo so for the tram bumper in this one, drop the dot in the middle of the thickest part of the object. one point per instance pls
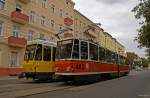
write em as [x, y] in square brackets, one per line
[39, 75]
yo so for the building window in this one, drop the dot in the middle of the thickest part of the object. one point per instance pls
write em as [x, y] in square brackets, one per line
[14, 59]
[53, 8]
[43, 3]
[1, 28]
[61, 13]
[32, 16]
[60, 27]
[67, 2]
[42, 20]
[16, 31]
[2, 4]
[41, 36]
[80, 23]
[66, 14]
[33, 1]
[18, 7]
[30, 36]
[52, 24]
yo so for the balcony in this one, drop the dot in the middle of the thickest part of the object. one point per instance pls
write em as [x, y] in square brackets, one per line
[19, 17]
[25, 1]
[17, 42]
[68, 21]
[91, 32]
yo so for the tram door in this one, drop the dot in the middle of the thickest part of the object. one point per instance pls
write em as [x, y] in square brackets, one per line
[38, 58]
[53, 58]
[46, 65]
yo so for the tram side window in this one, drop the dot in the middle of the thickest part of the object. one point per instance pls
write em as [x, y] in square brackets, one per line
[101, 54]
[38, 55]
[75, 54]
[122, 60]
[84, 50]
[54, 52]
[113, 57]
[47, 53]
[108, 56]
[93, 52]
[116, 58]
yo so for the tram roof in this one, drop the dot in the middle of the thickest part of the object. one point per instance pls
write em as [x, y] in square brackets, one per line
[87, 40]
[43, 42]
[96, 43]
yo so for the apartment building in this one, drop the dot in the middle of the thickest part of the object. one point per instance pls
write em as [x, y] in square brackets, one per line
[25, 20]
[82, 23]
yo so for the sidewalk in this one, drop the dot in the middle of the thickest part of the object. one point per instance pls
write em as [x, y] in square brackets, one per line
[8, 78]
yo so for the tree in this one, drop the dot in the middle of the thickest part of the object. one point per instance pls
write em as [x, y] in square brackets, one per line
[142, 12]
[131, 57]
[145, 62]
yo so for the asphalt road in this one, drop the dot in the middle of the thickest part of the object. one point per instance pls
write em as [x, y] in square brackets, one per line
[136, 85]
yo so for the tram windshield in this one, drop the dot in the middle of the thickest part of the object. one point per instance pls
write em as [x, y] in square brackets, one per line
[64, 49]
[30, 51]
[33, 52]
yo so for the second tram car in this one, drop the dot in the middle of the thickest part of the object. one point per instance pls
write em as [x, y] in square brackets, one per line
[78, 59]
[39, 60]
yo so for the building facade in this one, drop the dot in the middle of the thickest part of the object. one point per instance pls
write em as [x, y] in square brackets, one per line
[25, 20]
[82, 23]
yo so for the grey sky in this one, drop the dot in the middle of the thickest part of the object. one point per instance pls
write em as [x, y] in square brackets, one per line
[116, 18]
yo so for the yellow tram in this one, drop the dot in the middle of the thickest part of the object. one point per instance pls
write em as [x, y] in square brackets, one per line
[39, 60]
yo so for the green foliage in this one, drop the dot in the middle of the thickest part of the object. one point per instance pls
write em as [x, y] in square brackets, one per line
[142, 12]
[131, 57]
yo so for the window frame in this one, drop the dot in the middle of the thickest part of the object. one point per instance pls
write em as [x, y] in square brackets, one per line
[93, 52]
[12, 64]
[19, 7]
[16, 31]
[44, 3]
[87, 56]
[1, 28]
[2, 4]
[42, 20]
[73, 49]
[50, 55]
[32, 16]
[30, 35]
[35, 57]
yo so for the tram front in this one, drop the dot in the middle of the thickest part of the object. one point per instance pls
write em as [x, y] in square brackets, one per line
[68, 63]
[39, 60]
[63, 56]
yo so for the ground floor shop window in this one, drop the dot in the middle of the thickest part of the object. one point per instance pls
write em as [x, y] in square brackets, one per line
[14, 59]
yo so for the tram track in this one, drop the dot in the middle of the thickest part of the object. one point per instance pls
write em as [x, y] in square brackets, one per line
[33, 91]
[27, 89]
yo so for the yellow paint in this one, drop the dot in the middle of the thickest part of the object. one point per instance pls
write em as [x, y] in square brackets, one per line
[39, 66]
